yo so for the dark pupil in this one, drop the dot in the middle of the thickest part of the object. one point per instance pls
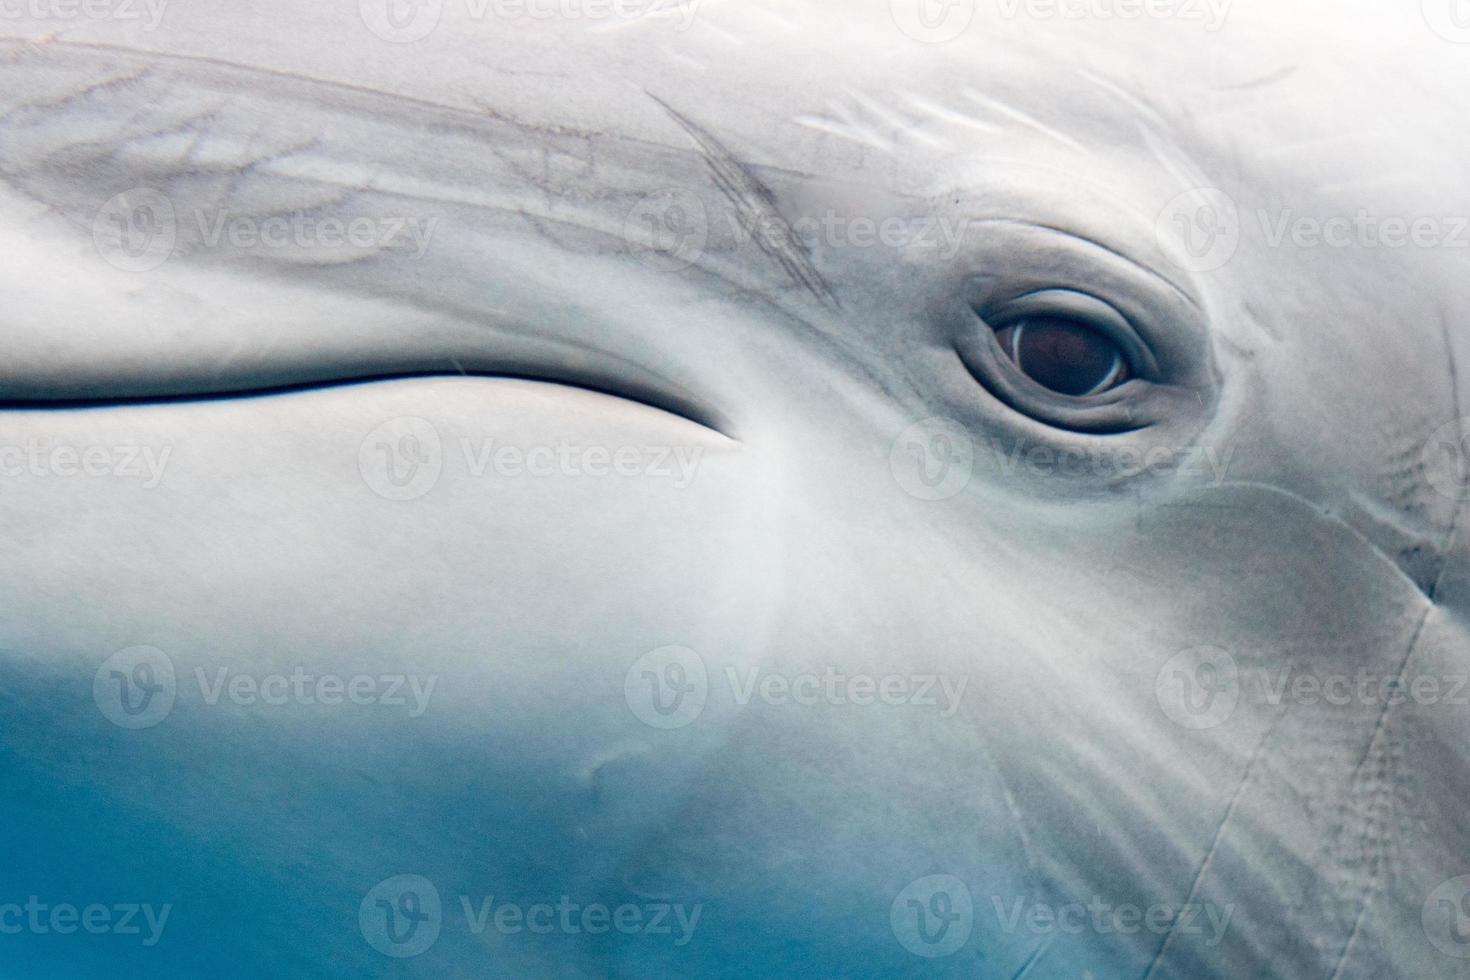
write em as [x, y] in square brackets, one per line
[1062, 355]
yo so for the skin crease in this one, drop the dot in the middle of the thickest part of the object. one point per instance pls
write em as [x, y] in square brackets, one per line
[1313, 832]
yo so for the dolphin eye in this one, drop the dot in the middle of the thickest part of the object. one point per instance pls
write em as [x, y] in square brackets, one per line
[1065, 358]
[1063, 354]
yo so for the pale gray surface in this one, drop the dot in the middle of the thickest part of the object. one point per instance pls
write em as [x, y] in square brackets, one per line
[1320, 374]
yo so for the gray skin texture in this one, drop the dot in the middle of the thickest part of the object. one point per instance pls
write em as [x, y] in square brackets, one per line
[794, 367]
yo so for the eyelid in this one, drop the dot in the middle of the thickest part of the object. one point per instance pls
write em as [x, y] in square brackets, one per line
[1083, 308]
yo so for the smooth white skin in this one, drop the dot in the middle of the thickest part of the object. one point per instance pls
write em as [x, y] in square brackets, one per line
[1321, 548]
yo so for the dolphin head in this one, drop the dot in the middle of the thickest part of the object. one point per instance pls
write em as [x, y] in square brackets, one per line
[905, 490]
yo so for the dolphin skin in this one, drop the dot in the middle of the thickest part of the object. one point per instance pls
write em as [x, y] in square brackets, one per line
[678, 488]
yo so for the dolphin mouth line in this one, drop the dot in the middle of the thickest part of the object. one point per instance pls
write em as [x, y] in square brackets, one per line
[668, 401]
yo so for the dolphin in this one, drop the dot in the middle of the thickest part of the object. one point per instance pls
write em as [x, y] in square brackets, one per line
[679, 488]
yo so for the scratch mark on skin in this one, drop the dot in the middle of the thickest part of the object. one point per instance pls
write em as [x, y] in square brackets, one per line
[1381, 725]
[106, 85]
[867, 121]
[1338, 522]
[1279, 75]
[1204, 868]
[1129, 100]
[1375, 180]
[1030, 962]
[756, 204]
[1459, 409]
[1016, 115]
[1370, 889]
[938, 111]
